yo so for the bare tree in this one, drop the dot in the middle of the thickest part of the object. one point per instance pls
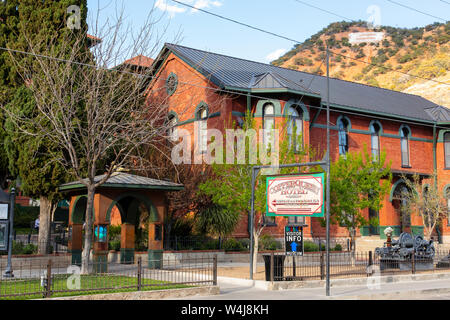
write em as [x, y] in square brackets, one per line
[95, 109]
[425, 200]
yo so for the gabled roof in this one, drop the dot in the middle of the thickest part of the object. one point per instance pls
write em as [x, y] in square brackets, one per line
[139, 61]
[439, 113]
[245, 75]
[125, 180]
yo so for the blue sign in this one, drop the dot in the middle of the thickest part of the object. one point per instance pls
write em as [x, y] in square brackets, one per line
[293, 239]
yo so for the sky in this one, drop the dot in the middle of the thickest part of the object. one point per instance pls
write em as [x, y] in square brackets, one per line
[289, 18]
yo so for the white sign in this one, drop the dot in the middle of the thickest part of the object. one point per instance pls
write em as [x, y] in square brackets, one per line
[295, 195]
[3, 211]
[360, 37]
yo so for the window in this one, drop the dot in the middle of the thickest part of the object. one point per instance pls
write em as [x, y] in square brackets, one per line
[343, 136]
[404, 138]
[172, 131]
[447, 197]
[375, 140]
[171, 83]
[202, 135]
[268, 123]
[447, 149]
[295, 124]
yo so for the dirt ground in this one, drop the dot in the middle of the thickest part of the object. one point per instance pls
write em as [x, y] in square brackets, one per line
[241, 272]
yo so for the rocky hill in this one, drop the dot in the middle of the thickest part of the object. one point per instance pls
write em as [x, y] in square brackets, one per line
[422, 52]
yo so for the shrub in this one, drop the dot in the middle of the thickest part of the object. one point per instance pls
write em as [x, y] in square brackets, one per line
[114, 232]
[309, 246]
[338, 247]
[267, 242]
[232, 244]
[114, 245]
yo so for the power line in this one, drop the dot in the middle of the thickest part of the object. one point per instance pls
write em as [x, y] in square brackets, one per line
[298, 42]
[413, 9]
[444, 1]
[332, 13]
[224, 90]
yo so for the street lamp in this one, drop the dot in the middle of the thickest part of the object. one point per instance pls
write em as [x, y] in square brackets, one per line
[6, 226]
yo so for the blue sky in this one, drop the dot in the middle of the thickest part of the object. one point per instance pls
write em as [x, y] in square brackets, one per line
[289, 18]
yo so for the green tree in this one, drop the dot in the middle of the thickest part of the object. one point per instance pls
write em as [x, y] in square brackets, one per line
[32, 157]
[230, 184]
[358, 182]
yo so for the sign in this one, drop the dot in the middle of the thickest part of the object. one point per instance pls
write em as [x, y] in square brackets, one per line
[4, 211]
[295, 195]
[360, 37]
[3, 236]
[293, 240]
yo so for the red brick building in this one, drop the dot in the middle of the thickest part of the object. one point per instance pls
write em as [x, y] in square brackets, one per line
[210, 89]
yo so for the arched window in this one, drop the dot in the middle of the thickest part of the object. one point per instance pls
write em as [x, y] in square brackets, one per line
[404, 144]
[172, 131]
[343, 136]
[375, 140]
[447, 197]
[202, 125]
[268, 123]
[295, 128]
[447, 149]
[400, 203]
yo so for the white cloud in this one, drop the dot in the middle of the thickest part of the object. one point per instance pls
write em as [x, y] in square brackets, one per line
[275, 54]
[172, 10]
[201, 4]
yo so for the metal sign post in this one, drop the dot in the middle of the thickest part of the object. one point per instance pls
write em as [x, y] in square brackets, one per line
[9, 271]
[255, 171]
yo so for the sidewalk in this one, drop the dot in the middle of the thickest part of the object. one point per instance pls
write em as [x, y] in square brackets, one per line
[392, 287]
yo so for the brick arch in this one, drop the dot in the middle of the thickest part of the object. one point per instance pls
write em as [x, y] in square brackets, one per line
[153, 213]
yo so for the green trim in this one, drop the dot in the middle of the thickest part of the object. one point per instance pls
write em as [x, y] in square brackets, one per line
[364, 230]
[192, 120]
[100, 262]
[149, 204]
[168, 90]
[407, 127]
[155, 259]
[238, 114]
[262, 102]
[76, 257]
[172, 113]
[121, 185]
[127, 255]
[417, 230]
[79, 219]
[342, 116]
[441, 135]
[299, 103]
[378, 123]
[395, 233]
[446, 189]
[201, 105]
[394, 186]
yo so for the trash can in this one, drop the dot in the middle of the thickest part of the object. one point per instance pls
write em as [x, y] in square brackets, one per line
[278, 263]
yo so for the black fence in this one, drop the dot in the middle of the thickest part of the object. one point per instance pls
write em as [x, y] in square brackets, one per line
[47, 277]
[279, 267]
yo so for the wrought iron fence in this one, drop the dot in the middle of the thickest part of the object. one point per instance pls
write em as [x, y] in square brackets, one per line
[45, 278]
[280, 267]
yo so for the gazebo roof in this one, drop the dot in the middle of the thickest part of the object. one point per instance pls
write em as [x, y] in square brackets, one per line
[126, 181]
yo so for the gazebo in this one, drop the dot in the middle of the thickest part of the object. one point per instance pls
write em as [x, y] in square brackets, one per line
[130, 194]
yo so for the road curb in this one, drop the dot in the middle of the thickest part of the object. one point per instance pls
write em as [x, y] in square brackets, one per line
[406, 294]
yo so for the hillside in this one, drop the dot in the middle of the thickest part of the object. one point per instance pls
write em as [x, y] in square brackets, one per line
[422, 52]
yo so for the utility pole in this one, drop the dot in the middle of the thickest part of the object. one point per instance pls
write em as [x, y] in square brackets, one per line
[328, 178]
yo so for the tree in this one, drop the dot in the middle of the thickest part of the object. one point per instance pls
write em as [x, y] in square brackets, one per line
[230, 184]
[357, 182]
[30, 156]
[9, 80]
[95, 116]
[425, 200]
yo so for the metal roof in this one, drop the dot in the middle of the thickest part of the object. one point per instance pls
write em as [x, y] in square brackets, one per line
[126, 180]
[236, 73]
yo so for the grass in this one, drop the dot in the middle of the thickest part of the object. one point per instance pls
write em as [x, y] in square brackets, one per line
[89, 284]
